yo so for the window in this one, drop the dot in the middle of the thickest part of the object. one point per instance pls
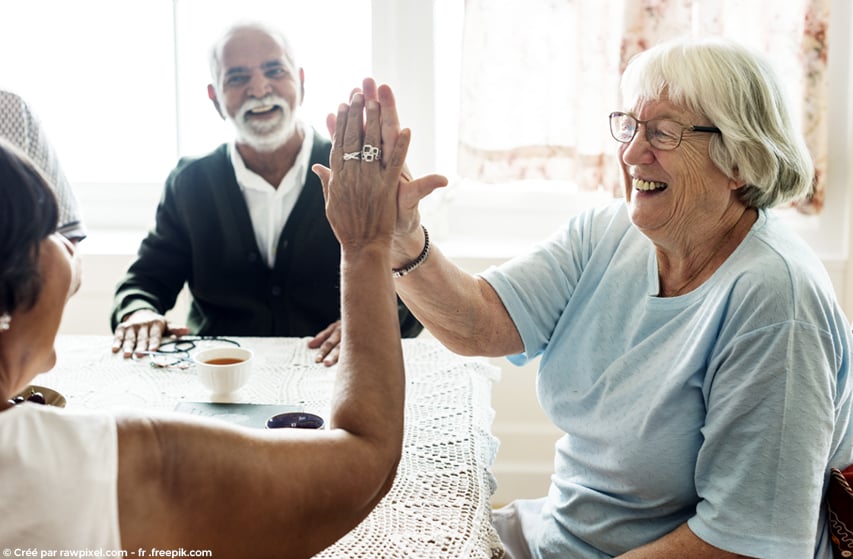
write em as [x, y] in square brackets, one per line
[100, 76]
[121, 87]
[500, 217]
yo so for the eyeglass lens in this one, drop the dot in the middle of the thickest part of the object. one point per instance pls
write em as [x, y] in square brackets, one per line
[662, 134]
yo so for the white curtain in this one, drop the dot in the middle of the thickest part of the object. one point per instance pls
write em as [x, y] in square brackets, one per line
[539, 77]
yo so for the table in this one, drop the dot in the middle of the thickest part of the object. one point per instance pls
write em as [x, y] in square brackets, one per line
[439, 505]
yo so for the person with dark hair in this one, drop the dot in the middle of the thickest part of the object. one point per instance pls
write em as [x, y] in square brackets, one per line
[21, 127]
[110, 481]
[243, 227]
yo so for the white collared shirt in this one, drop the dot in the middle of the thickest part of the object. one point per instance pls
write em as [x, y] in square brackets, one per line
[270, 207]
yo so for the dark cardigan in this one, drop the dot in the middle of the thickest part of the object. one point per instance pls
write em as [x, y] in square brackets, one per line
[203, 237]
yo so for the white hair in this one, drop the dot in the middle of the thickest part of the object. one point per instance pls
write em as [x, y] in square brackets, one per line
[740, 93]
[215, 56]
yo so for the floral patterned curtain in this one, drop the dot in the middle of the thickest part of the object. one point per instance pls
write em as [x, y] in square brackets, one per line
[539, 78]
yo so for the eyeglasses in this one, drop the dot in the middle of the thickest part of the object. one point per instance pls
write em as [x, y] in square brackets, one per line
[176, 353]
[661, 133]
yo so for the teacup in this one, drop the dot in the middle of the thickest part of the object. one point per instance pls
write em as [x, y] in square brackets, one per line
[296, 420]
[224, 369]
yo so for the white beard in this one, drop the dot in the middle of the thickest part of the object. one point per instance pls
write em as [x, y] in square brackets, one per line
[269, 135]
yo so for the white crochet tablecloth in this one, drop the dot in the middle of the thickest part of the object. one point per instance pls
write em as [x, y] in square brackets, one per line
[439, 505]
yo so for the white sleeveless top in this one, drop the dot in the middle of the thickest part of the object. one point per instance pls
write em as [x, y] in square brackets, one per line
[59, 473]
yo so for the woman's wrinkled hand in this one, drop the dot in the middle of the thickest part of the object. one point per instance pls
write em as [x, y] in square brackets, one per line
[361, 186]
[410, 190]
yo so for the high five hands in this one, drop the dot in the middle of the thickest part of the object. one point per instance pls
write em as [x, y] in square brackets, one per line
[410, 191]
[370, 195]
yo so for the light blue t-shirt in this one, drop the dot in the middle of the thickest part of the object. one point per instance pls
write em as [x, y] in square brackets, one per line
[724, 407]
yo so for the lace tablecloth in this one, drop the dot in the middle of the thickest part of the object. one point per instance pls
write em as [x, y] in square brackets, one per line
[439, 505]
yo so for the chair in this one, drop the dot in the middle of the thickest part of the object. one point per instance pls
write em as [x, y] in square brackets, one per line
[839, 504]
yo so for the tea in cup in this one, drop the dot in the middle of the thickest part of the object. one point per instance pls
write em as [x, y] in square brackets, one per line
[224, 369]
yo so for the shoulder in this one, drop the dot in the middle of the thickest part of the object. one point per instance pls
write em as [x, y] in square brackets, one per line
[16, 119]
[593, 235]
[191, 170]
[68, 466]
[778, 256]
[12, 103]
[608, 218]
[776, 274]
[597, 228]
[11, 98]
[57, 426]
[196, 163]
[86, 437]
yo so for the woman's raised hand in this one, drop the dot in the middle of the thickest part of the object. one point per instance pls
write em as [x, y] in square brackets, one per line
[361, 186]
[411, 191]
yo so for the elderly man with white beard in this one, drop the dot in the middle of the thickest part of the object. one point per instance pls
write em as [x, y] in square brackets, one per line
[244, 227]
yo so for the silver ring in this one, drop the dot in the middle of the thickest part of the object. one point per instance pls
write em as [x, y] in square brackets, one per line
[371, 153]
[352, 155]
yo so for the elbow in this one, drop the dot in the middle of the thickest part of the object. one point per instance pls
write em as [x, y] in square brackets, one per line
[389, 454]
[389, 463]
[374, 455]
[388, 483]
[378, 474]
[392, 470]
[481, 342]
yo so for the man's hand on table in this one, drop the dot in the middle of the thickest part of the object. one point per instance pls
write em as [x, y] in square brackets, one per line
[328, 341]
[142, 331]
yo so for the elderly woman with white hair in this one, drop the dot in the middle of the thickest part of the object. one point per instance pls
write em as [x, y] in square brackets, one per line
[692, 348]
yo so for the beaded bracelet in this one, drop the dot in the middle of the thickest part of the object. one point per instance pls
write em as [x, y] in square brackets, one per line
[413, 265]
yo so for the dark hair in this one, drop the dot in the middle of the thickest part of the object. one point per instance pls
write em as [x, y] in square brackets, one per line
[28, 215]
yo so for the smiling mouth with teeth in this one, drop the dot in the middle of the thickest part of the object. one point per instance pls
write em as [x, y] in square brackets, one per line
[648, 186]
[262, 110]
